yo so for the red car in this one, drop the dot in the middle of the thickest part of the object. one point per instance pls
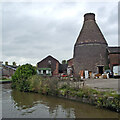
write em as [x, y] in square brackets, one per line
[64, 75]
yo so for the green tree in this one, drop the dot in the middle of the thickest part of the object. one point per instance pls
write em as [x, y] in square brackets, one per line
[64, 62]
[6, 63]
[14, 63]
[107, 67]
[19, 79]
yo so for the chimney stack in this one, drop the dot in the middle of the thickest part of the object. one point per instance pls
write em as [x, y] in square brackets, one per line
[90, 49]
[89, 16]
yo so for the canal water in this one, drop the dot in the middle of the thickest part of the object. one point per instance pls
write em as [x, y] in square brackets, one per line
[17, 104]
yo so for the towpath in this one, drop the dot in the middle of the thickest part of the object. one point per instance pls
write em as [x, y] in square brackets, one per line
[104, 83]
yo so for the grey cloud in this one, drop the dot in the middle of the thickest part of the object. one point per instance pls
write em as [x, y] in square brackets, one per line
[33, 30]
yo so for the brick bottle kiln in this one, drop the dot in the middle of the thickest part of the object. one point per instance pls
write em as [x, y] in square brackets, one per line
[90, 49]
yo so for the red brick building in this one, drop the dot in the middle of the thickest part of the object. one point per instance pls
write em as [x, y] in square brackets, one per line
[114, 56]
[48, 65]
[70, 67]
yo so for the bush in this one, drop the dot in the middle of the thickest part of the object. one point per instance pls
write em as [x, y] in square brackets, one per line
[19, 79]
[44, 85]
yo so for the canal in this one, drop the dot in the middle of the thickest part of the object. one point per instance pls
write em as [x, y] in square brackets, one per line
[17, 104]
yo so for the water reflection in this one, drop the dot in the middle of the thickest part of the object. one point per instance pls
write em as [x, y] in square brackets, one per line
[56, 107]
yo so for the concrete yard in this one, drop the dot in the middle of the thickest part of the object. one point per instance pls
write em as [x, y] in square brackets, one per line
[104, 83]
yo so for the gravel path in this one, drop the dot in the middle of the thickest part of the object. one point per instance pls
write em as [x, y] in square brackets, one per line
[104, 83]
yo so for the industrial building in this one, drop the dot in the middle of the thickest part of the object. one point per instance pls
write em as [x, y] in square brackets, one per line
[91, 54]
[91, 51]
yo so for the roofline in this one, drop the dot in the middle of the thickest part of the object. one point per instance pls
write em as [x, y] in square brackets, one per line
[47, 57]
[9, 67]
[113, 46]
[70, 59]
[114, 52]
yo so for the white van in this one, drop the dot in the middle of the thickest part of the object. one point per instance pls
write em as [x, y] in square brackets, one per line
[116, 71]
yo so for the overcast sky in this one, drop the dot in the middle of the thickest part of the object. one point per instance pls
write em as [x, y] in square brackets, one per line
[33, 30]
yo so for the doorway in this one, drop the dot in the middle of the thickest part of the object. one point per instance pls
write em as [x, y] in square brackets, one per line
[100, 69]
[44, 72]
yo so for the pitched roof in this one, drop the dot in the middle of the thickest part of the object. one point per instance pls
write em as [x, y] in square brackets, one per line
[113, 50]
[90, 32]
[10, 67]
[49, 56]
[69, 59]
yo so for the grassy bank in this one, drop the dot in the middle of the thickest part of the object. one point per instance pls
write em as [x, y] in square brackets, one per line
[53, 86]
[5, 81]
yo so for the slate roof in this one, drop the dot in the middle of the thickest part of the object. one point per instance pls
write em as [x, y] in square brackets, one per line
[113, 50]
[90, 32]
[10, 67]
[48, 57]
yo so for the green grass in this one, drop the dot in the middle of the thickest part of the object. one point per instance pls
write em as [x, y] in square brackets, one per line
[6, 80]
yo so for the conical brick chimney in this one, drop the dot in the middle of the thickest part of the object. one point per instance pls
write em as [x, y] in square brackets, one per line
[90, 32]
[90, 49]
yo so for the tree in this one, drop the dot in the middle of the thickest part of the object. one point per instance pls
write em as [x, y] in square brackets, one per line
[14, 63]
[6, 63]
[19, 79]
[107, 67]
[64, 62]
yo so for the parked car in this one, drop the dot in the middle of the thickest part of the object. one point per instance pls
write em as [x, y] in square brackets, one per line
[63, 75]
[116, 71]
[109, 73]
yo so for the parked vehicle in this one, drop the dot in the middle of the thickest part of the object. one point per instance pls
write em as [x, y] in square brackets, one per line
[109, 73]
[116, 71]
[63, 75]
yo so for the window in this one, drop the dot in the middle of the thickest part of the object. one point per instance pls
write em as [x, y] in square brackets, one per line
[47, 72]
[49, 61]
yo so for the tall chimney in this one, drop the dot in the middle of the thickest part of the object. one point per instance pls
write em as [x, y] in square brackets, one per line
[90, 49]
[89, 16]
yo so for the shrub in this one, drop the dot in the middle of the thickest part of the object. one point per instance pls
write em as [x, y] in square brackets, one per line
[19, 79]
[80, 94]
[44, 85]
